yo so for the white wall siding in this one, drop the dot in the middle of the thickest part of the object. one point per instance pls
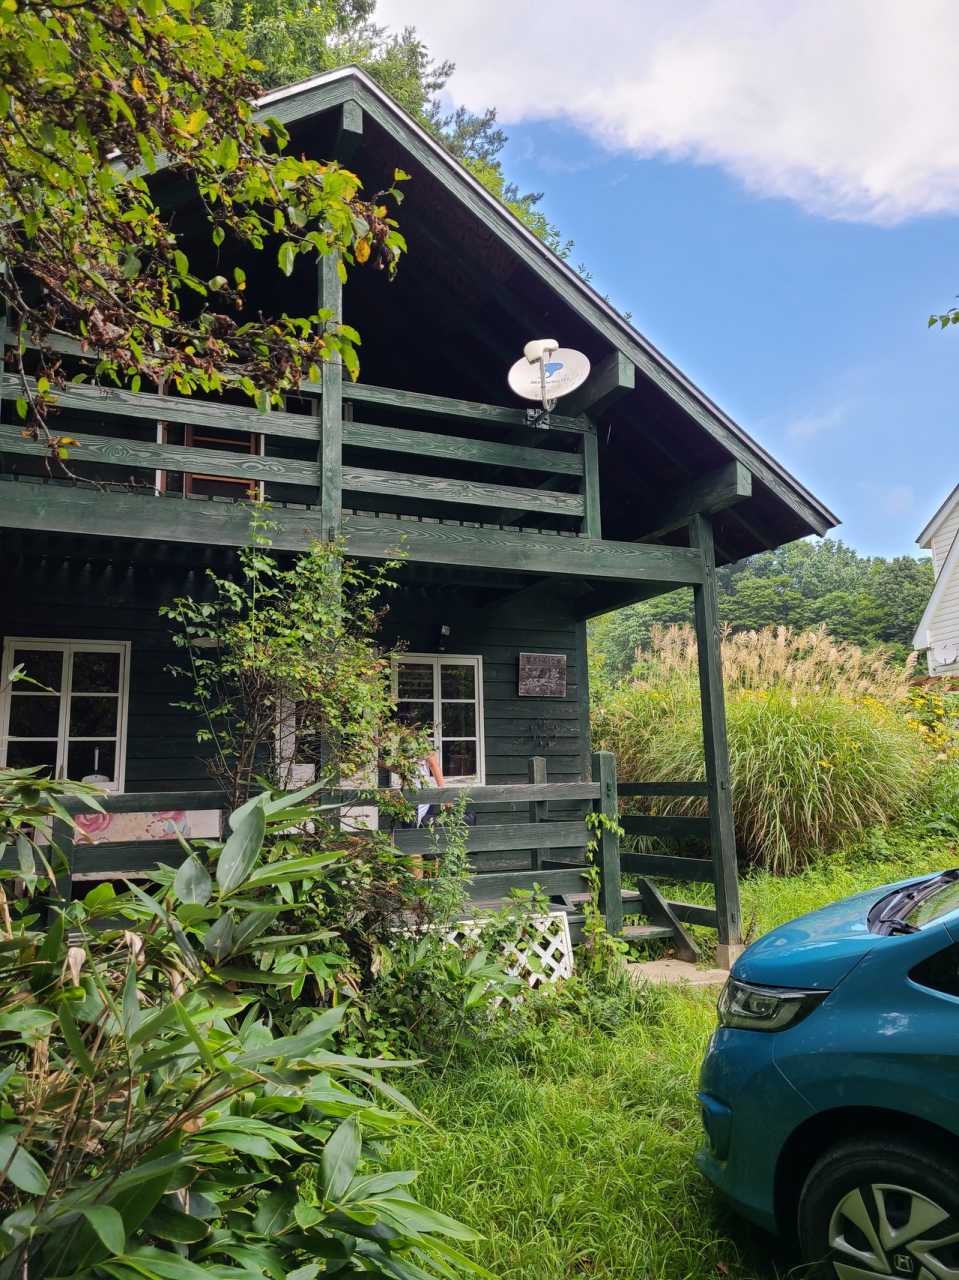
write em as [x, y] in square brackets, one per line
[943, 538]
[944, 627]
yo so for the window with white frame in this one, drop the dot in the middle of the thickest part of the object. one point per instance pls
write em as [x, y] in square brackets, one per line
[445, 695]
[70, 714]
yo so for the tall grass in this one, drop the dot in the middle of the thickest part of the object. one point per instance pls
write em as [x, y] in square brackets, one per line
[572, 1153]
[820, 747]
[780, 658]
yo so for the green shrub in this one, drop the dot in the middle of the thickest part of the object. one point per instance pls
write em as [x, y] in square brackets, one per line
[818, 747]
[166, 1111]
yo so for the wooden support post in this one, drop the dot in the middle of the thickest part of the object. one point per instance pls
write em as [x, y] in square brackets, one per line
[350, 133]
[592, 522]
[721, 829]
[538, 809]
[607, 854]
[331, 408]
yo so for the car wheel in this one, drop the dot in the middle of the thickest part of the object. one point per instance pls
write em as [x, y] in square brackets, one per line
[871, 1208]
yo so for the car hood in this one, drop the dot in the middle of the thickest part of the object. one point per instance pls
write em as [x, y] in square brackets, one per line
[816, 950]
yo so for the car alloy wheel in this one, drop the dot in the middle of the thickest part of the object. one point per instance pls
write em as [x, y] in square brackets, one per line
[888, 1207]
[879, 1229]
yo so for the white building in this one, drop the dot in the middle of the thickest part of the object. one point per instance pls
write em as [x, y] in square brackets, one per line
[938, 630]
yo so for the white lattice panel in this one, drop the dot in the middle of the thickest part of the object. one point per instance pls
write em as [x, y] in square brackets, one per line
[542, 952]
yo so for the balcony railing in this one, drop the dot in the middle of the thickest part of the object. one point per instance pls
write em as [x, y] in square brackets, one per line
[147, 443]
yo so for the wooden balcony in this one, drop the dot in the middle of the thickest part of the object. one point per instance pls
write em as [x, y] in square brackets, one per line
[453, 482]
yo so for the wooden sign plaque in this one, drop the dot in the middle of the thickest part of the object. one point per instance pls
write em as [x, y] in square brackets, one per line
[542, 675]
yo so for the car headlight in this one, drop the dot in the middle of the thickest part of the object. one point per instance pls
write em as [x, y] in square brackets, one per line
[754, 1008]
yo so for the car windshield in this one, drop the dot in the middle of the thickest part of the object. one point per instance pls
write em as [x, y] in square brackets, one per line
[908, 909]
[941, 902]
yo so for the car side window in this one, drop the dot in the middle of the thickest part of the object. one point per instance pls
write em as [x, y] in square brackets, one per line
[940, 972]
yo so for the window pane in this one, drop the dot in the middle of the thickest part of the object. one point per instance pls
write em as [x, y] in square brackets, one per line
[414, 680]
[92, 717]
[43, 665]
[459, 759]
[85, 759]
[459, 719]
[34, 715]
[96, 672]
[457, 681]
[413, 714]
[940, 971]
[26, 755]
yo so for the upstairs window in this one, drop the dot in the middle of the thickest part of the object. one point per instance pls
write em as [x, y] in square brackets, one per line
[72, 721]
[445, 696]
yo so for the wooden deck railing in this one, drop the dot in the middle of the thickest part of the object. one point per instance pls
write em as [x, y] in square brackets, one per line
[555, 842]
[116, 439]
[540, 826]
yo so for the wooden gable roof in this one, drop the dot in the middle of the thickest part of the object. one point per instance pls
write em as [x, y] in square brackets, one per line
[477, 284]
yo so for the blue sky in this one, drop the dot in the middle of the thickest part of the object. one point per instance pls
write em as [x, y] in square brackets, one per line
[771, 187]
[811, 332]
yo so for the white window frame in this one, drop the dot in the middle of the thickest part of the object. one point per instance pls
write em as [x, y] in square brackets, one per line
[68, 648]
[453, 659]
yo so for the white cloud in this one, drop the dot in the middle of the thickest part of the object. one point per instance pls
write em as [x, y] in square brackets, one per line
[811, 424]
[841, 105]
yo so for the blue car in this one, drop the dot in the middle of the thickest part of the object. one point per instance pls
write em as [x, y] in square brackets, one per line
[830, 1090]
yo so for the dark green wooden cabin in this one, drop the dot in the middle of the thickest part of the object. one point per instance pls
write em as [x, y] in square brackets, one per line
[515, 534]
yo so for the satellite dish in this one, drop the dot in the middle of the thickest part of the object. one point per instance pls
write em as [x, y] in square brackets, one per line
[548, 371]
[944, 654]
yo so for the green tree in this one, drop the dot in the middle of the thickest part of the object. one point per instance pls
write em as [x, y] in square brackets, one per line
[295, 39]
[867, 601]
[92, 96]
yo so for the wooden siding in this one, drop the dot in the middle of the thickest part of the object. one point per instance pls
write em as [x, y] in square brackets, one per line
[516, 728]
[67, 596]
[60, 597]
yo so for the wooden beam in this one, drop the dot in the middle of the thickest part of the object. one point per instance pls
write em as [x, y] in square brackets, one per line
[199, 413]
[361, 435]
[699, 870]
[330, 456]
[712, 492]
[538, 809]
[496, 885]
[497, 839]
[669, 826]
[692, 913]
[608, 382]
[460, 492]
[663, 789]
[567, 557]
[65, 509]
[521, 793]
[445, 407]
[350, 133]
[115, 451]
[715, 744]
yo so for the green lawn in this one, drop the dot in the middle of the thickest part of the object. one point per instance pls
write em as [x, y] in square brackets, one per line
[571, 1150]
